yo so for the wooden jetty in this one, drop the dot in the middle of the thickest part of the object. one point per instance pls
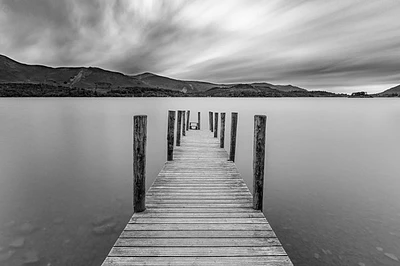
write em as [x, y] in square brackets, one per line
[198, 211]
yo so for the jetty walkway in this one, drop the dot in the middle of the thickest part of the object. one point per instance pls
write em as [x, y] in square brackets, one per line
[198, 211]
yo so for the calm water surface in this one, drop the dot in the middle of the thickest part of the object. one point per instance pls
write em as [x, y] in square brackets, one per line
[332, 178]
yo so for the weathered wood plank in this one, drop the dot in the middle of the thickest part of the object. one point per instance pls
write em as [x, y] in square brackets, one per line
[199, 261]
[189, 197]
[196, 251]
[197, 220]
[198, 242]
[216, 205]
[197, 234]
[197, 227]
[200, 210]
[198, 215]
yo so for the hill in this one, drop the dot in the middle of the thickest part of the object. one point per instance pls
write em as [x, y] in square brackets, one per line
[80, 77]
[286, 88]
[173, 84]
[394, 91]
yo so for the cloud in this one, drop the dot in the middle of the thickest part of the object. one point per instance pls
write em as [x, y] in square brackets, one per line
[315, 44]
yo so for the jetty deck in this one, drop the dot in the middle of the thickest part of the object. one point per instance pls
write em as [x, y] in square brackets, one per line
[198, 211]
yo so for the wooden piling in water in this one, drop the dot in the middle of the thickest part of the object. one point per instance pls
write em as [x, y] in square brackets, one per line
[139, 162]
[222, 133]
[179, 129]
[232, 151]
[198, 120]
[210, 118]
[188, 120]
[260, 122]
[184, 123]
[215, 125]
[170, 135]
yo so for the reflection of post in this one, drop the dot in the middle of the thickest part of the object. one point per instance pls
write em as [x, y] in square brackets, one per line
[170, 135]
[179, 129]
[222, 134]
[139, 162]
[188, 120]
[216, 125]
[210, 117]
[184, 123]
[260, 122]
[198, 120]
[232, 151]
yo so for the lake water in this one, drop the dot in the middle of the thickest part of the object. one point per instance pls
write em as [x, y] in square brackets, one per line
[332, 174]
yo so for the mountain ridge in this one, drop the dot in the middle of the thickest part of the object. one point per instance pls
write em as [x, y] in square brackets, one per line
[12, 71]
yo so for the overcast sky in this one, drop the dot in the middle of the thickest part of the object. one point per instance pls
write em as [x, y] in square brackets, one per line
[335, 45]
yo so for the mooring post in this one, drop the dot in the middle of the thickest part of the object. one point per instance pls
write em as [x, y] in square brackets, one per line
[198, 120]
[260, 122]
[184, 123]
[215, 125]
[139, 162]
[210, 116]
[188, 120]
[179, 129]
[232, 150]
[170, 135]
[222, 133]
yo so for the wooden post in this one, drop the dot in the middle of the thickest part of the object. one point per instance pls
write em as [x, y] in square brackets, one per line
[139, 162]
[260, 123]
[232, 151]
[179, 129]
[184, 123]
[222, 134]
[198, 120]
[188, 120]
[216, 125]
[170, 135]
[210, 116]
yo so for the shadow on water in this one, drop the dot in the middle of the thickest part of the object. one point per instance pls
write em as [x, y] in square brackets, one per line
[331, 177]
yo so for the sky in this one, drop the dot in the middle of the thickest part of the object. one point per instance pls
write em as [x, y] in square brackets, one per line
[333, 45]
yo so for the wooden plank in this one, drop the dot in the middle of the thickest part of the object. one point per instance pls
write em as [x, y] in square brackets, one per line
[198, 242]
[201, 210]
[197, 234]
[188, 197]
[204, 205]
[197, 227]
[200, 215]
[199, 261]
[197, 220]
[196, 251]
[198, 194]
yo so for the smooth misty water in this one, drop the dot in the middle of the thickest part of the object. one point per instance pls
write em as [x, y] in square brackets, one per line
[332, 178]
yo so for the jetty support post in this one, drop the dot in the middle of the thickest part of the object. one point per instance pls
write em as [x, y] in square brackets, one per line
[198, 120]
[170, 135]
[139, 162]
[184, 123]
[188, 120]
[210, 116]
[260, 123]
[232, 149]
[216, 125]
[222, 133]
[179, 129]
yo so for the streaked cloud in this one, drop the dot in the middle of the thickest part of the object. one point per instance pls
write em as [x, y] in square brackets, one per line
[327, 45]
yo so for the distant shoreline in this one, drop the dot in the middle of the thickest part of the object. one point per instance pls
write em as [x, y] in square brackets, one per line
[46, 90]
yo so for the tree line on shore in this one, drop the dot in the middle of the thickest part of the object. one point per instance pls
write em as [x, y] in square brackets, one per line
[46, 90]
